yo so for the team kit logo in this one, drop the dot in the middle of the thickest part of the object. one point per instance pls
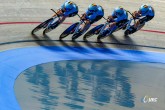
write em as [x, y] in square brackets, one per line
[149, 99]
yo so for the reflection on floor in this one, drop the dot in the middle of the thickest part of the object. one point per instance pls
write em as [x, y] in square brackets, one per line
[88, 85]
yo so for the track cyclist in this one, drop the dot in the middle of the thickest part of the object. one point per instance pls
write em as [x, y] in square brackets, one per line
[93, 14]
[145, 13]
[68, 9]
[117, 19]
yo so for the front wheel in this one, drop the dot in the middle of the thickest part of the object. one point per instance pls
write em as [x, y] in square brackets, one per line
[68, 31]
[51, 27]
[40, 26]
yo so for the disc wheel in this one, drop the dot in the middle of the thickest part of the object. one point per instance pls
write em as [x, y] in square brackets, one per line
[40, 26]
[68, 31]
[50, 28]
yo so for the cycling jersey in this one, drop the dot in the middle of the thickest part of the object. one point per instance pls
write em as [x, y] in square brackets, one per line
[93, 16]
[71, 12]
[118, 18]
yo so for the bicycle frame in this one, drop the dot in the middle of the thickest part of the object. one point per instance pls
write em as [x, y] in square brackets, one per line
[130, 21]
[102, 29]
[54, 19]
[52, 22]
[77, 27]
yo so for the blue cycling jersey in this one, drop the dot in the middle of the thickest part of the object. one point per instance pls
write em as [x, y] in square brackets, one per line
[118, 18]
[150, 12]
[73, 10]
[92, 16]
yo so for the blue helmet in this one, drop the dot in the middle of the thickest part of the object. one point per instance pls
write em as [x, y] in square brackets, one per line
[119, 11]
[69, 5]
[144, 9]
[92, 8]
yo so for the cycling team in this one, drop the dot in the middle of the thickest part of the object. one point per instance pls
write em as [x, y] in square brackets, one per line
[95, 12]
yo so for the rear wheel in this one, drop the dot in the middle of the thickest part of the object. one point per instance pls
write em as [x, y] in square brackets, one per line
[40, 26]
[76, 35]
[126, 33]
[68, 31]
[93, 31]
[103, 35]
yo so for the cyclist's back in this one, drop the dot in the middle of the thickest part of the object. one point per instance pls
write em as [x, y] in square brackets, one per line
[69, 9]
[150, 12]
[96, 14]
[118, 18]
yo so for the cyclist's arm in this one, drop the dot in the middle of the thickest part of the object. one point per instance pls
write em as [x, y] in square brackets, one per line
[83, 16]
[59, 12]
[110, 18]
[136, 14]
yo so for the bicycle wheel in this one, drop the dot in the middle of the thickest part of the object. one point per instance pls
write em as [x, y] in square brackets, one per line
[51, 27]
[76, 35]
[103, 35]
[93, 31]
[42, 25]
[126, 33]
[68, 31]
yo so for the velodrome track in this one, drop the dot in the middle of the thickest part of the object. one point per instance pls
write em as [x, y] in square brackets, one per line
[19, 17]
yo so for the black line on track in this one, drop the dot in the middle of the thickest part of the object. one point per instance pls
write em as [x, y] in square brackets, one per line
[22, 41]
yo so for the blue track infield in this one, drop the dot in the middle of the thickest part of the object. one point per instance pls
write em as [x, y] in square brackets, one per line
[13, 62]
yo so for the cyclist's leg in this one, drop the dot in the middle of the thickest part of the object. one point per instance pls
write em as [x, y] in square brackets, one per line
[112, 26]
[142, 22]
[62, 19]
[96, 19]
[124, 23]
[83, 25]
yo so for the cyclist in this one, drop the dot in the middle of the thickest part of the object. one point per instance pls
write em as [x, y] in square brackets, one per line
[117, 19]
[92, 15]
[146, 12]
[68, 9]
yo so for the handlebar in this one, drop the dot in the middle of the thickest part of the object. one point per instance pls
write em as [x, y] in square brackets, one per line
[55, 12]
[131, 15]
[104, 18]
[80, 18]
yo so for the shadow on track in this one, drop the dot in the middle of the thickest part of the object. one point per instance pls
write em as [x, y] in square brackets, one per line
[127, 42]
[47, 41]
[43, 40]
